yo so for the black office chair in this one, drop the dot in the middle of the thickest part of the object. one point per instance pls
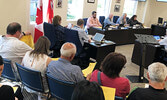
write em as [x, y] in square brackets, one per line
[85, 21]
[115, 18]
[101, 19]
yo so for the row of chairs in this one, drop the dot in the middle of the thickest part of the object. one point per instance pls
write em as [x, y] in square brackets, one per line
[32, 79]
[58, 89]
[102, 18]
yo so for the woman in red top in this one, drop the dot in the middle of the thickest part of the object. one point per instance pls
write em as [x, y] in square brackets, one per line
[109, 77]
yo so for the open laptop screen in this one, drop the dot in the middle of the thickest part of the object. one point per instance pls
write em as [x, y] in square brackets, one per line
[98, 37]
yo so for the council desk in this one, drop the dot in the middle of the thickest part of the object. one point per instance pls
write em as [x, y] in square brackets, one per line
[120, 36]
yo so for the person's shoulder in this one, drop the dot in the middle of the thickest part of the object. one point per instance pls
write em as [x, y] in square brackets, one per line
[7, 88]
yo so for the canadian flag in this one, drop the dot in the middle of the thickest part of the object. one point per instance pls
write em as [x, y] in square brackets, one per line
[39, 21]
[50, 11]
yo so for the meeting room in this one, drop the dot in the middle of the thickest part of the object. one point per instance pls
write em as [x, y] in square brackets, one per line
[83, 50]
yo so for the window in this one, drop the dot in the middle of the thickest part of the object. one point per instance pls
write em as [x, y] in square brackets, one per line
[130, 7]
[75, 10]
[33, 10]
[103, 8]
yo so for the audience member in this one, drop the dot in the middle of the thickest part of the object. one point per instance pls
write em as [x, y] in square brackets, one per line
[111, 68]
[38, 59]
[109, 20]
[86, 90]
[6, 92]
[81, 33]
[11, 47]
[122, 19]
[63, 69]
[133, 21]
[157, 76]
[93, 21]
[60, 38]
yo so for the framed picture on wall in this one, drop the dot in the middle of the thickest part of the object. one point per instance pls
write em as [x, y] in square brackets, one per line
[91, 1]
[117, 8]
[117, 1]
[59, 3]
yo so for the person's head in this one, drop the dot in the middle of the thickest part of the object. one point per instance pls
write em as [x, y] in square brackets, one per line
[113, 64]
[157, 72]
[68, 51]
[14, 29]
[57, 20]
[1, 65]
[80, 23]
[134, 17]
[86, 90]
[110, 16]
[41, 47]
[124, 15]
[94, 14]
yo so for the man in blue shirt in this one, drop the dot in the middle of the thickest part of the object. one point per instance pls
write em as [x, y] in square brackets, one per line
[109, 20]
[63, 69]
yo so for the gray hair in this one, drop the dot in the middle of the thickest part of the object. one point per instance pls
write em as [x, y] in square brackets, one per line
[68, 49]
[157, 72]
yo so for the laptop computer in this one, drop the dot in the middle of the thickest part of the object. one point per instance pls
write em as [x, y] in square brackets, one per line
[157, 37]
[98, 37]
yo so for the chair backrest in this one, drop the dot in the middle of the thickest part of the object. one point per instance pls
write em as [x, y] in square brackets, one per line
[8, 71]
[30, 78]
[127, 18]
[115, 18]
[49, 33]
[72, 36]
[85, 21]
[101, 19]
[60, 89]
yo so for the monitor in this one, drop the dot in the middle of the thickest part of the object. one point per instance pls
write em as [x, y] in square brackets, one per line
[162, 0]
[98, 37]
[160, 20]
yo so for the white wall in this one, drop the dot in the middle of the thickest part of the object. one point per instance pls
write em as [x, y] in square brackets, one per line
[18, 11]
[14, 11]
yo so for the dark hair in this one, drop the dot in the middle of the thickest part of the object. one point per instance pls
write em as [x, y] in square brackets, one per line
[93, 12]
[132, 18]
[80, 22]
[113, 64]
[1, 60]
[12, 28]
[41, 46]
[86, 90]
[56, 20]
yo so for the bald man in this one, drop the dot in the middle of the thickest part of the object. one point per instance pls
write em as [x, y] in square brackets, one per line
[63, 69]
[109, 20]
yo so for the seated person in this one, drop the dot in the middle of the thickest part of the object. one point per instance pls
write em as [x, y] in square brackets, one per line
[11, 47]
[63, 69]
[93, 21]
[59, 33]
[86, 90]
[133, 21]
[122, 19]
[38, 59]
[109, 77]
[81, 33]
[157, 76]
[109, 20]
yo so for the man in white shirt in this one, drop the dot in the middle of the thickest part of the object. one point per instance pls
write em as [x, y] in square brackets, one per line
[81, 33]
[11, 47]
